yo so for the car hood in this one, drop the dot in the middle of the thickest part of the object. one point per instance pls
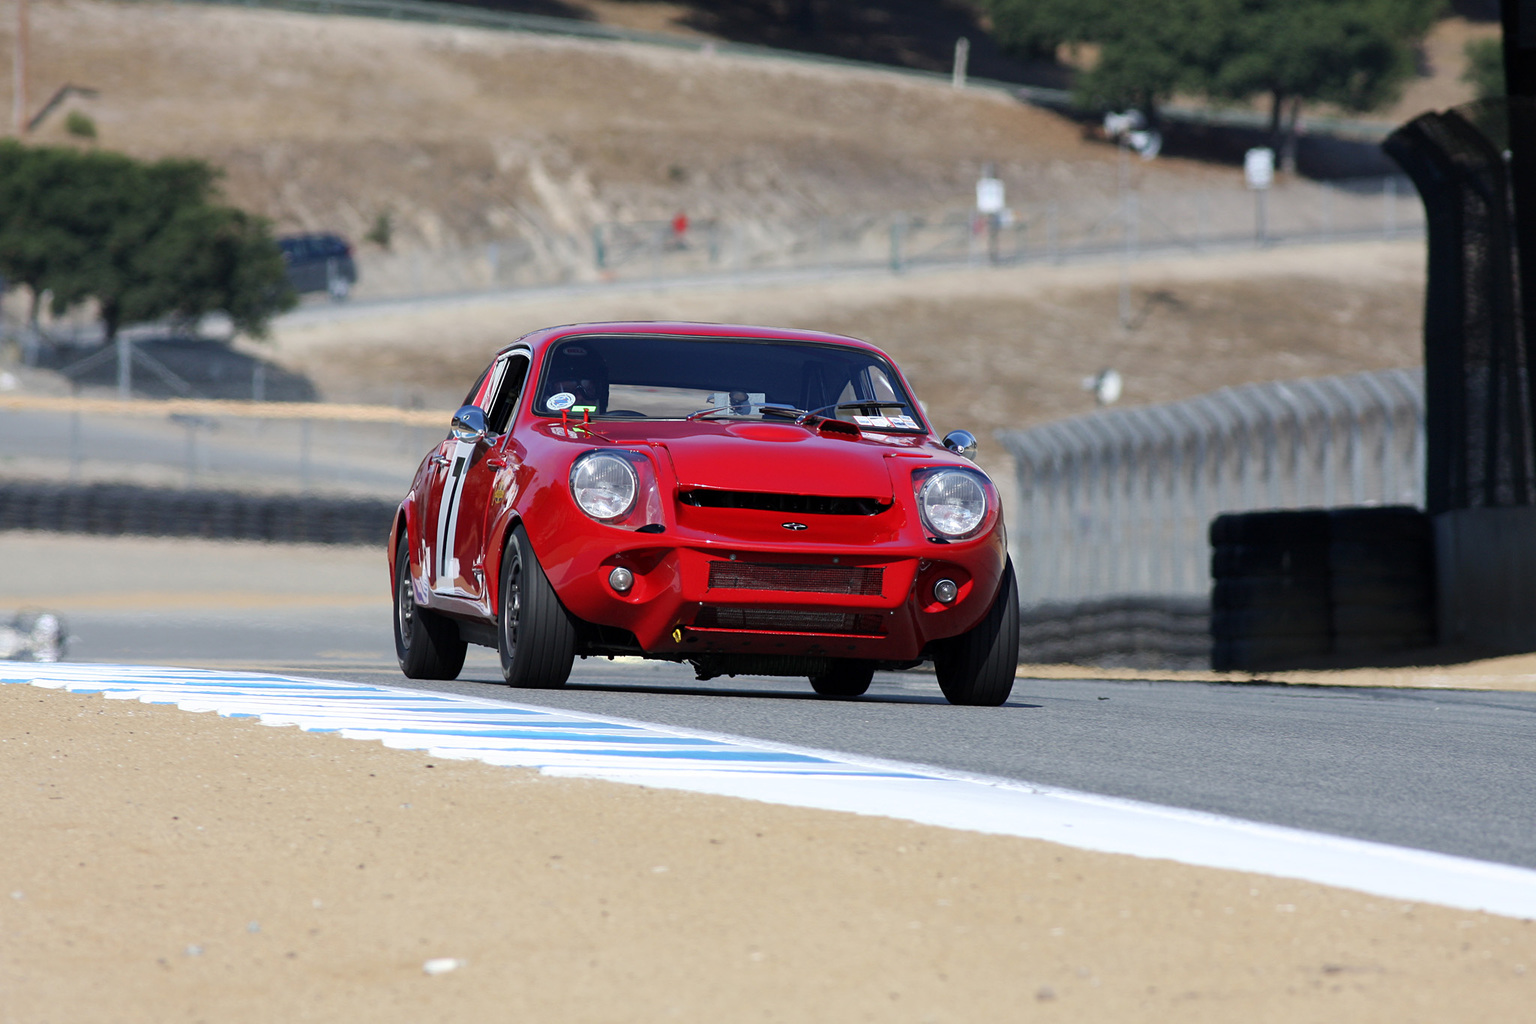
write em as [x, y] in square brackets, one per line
[779, 459]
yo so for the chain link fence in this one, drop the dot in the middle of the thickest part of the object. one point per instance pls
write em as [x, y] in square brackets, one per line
[1117, 503]
[1130, 226]
[1133, 224]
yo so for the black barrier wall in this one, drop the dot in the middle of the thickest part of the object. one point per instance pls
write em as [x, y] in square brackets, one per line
[124, 509]
[1477, 363]
[1119, 632]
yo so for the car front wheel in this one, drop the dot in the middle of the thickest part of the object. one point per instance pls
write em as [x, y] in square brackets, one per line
[535, 635]
[978, 667]
[427, 645]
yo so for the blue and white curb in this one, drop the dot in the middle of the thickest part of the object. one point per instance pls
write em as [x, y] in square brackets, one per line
[568, 743]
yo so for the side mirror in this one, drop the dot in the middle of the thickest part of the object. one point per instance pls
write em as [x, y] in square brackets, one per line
[962, 443]
[469, 424]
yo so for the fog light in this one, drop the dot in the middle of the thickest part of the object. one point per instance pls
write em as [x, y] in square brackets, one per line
[945, 591]
[621, 579]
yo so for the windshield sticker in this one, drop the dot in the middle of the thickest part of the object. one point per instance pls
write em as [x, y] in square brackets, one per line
[905, 422]
[564, 400]
[872, 421]
[574, 350]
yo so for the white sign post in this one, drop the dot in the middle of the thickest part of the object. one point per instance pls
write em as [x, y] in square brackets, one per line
[990, 197]
[991, 201]
[1259, 173]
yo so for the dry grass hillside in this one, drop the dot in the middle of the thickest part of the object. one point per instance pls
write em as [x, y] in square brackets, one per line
[985, 349]
[472, 135]
[467, 135]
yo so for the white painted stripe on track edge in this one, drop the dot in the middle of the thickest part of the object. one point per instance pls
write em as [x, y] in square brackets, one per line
[574, 744]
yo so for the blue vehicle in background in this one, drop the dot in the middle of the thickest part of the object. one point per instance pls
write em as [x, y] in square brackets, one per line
[319, 262]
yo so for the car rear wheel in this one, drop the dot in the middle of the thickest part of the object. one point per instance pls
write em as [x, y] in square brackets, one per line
[535, 635]
[847, 677]
[978, 667]
[427, 645]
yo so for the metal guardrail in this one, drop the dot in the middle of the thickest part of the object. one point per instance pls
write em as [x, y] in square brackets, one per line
[170, 408]
[272, 447]
[1117, 503]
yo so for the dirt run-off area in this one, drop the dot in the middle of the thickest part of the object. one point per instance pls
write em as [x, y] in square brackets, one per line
[165, 866]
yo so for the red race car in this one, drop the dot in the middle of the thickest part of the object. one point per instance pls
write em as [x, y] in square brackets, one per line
[748, 500]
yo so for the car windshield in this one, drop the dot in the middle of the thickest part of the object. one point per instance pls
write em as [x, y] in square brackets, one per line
[670, 377]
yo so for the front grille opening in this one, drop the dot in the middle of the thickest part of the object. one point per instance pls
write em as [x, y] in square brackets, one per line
[789, 504]
[803, 579]
[790, 620]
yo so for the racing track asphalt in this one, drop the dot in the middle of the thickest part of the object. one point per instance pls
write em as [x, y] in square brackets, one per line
[1452, 771]
[1449, 771]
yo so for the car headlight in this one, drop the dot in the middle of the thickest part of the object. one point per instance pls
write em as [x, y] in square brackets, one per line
[604, 486]
[953, 503]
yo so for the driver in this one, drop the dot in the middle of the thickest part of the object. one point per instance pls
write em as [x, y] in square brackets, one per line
[577, 369]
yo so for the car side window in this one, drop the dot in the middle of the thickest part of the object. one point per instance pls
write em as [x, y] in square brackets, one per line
[499, 415]
[469, 399]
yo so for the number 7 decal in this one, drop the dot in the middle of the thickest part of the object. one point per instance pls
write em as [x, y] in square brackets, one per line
[447, 567]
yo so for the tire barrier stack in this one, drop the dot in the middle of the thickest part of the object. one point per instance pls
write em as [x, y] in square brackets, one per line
[1320, 587]
[1120, 632]
[119, 509]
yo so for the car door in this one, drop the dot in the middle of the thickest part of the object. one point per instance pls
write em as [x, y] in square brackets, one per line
[301, 269]
[482, 461]
[440, 505]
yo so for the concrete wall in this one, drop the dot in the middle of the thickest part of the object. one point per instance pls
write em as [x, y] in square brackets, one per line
[1486, 568]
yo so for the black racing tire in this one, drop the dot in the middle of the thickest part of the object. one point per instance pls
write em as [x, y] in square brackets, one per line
[535, 635]
[1267, 653]
[845, 677]
[1409, 618]
[1277, 594]
[1235, 561]
[1315, 621]
[977, 668]
[1389, 561]
[1389, 524]
[427, 645]
[1281, 528]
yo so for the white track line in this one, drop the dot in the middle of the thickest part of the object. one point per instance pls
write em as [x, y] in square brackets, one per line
[568, 743]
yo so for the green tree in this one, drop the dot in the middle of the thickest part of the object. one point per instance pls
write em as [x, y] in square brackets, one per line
[1485, 68]
[1355, 53]
[146, 241]
[1146, 49]
[37, 242]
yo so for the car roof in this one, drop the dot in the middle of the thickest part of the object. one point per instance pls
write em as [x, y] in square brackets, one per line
[541, 339]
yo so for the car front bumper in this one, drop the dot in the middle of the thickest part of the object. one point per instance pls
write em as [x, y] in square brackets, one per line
[696, 594]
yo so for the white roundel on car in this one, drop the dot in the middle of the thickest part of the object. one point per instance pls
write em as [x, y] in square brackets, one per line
[564, 400]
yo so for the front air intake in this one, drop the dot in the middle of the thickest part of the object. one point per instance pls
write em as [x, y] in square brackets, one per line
[789, 620]
[786, 504]
[803, 579]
